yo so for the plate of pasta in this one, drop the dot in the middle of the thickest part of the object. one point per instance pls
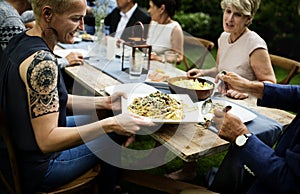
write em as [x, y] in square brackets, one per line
[163, 108]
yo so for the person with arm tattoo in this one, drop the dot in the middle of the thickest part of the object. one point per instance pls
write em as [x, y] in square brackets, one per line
[53, 151]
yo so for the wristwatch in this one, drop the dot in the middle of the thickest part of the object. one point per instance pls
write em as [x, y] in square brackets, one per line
[242, 139]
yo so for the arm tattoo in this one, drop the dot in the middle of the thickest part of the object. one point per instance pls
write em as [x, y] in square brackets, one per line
[42, 75]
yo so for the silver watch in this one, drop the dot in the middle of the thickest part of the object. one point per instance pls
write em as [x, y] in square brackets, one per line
[242, 139]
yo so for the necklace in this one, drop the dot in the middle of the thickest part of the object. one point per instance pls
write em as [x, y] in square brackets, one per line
[232, 41]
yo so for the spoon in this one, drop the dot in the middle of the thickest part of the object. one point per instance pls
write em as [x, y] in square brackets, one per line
[207, 104]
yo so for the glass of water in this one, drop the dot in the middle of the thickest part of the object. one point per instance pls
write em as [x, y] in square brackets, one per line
[136, 65]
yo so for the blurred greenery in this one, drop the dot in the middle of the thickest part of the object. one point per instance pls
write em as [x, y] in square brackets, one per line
[193, 22]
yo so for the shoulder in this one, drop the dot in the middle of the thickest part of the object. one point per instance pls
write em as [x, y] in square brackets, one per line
[224, 35]
[47, 54]
[41, 67]
[254, 41]
[45, 60]
[174, 23]
[175, 26]
[255, 38]
[139, 12]
[115, 12]
[40, 73]
[222, 38]
[7, 12]
[41, 59]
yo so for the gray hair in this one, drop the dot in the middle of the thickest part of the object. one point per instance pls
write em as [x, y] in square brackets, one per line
[246, 7]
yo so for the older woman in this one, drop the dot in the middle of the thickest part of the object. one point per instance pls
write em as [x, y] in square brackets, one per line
[32, 92]
[240, 50]
[164, 33]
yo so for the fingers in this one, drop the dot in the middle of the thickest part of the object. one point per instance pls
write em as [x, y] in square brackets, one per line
[236, 95]
[129, 124]
[117, 95]
[193, 73]
[75, 58]
[144, 121]
[129, 141]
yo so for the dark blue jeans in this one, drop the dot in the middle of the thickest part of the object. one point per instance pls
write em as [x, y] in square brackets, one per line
[73, 162]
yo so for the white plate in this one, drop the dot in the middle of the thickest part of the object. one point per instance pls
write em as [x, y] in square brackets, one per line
[163, 69]
[160, 73]
[138, 88]
[237, 110]
[190, 110]
[65, 52]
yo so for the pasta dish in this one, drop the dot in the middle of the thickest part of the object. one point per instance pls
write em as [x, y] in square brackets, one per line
[157, 105]
[193, 84]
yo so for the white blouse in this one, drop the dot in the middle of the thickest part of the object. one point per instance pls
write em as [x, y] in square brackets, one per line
[235, 56]
[159, 36]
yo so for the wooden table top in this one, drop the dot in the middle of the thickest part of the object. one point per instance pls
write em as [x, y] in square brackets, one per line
[188, 141]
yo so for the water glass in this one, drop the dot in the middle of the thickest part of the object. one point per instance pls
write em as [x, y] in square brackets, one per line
[111, 48]
[171, 57]
[136, 66]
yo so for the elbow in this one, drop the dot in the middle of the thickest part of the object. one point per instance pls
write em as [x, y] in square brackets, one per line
[45, 149]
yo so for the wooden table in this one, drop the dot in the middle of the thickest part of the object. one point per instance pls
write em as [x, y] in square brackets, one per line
[203, 142]
[189, 141]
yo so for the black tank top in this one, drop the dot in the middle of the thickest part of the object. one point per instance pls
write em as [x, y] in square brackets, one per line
[13, 101]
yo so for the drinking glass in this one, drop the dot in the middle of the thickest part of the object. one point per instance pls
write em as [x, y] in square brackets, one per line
[171, 58]
[136, 66]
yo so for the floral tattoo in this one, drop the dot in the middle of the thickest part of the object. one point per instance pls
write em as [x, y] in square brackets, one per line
[42, 78]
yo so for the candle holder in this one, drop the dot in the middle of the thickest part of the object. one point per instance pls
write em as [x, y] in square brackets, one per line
[136, 44]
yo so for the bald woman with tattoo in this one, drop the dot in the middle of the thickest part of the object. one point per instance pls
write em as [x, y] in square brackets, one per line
[51, 150]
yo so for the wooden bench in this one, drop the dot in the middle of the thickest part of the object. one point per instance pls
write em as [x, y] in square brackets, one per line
[161, 183]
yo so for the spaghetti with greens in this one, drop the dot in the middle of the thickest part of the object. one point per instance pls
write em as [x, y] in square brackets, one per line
[157, 105]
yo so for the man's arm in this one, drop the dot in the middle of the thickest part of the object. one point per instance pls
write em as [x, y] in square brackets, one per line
[279, 174]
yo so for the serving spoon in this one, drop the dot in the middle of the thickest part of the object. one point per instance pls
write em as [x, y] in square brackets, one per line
[208, 104]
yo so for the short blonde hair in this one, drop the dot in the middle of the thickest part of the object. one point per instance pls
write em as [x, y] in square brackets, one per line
[246, 7]
[58, 6]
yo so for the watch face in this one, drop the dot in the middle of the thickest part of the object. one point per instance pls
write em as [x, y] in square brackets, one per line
[241, 140]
